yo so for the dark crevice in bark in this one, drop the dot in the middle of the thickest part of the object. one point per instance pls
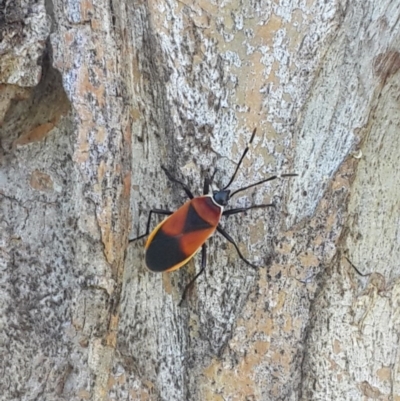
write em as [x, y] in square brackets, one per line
[31, 117]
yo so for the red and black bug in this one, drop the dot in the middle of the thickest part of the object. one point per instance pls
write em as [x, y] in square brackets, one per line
[179, 237]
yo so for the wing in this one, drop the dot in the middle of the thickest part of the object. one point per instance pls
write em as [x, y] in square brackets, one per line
[177, 239]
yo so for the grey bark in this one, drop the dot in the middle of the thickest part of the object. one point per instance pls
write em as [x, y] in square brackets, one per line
[96, 96]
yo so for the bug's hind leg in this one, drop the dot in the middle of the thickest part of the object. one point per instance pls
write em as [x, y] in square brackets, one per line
[183, 185]
[155, 211]
[232, 241]
[203, 267]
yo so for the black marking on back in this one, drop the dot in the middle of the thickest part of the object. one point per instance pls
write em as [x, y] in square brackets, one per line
[194, 222]
[163, 252]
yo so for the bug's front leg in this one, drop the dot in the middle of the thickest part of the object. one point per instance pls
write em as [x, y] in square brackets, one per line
[229, 212]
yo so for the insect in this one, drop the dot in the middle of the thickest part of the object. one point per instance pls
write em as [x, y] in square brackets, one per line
[180, 236]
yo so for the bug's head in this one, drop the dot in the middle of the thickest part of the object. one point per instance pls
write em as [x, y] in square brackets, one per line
[222, 197]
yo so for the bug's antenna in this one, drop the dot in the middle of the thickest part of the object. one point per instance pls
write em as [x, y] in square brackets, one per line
[241, 159]
[262, 182]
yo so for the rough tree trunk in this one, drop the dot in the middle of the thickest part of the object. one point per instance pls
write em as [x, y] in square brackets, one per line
[96, 95]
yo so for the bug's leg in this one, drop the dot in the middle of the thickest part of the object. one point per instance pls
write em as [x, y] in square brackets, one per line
[208, 182]
[241, 159]
[206, 187]
[232, 241]
[274, 177]
[213, 175]
[173, 179]
[155, 211]
[244, 209]
[203, 266]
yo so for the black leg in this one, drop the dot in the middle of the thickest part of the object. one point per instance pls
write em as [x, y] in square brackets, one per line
[274, 177]
[156, 211]
[208, 182]
[244, 209]
[241, 159]
[173, 179]
[203, 266]
[206, 186]
[231, 240]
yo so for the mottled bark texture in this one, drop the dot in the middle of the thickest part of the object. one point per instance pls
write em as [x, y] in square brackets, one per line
[96, 95]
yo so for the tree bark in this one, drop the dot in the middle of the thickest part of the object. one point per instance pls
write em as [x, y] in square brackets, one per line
[96, 96]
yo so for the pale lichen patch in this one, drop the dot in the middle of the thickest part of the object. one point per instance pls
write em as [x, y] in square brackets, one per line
[41, 181]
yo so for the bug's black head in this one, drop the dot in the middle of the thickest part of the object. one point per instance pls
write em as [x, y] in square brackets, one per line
[222, 197]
